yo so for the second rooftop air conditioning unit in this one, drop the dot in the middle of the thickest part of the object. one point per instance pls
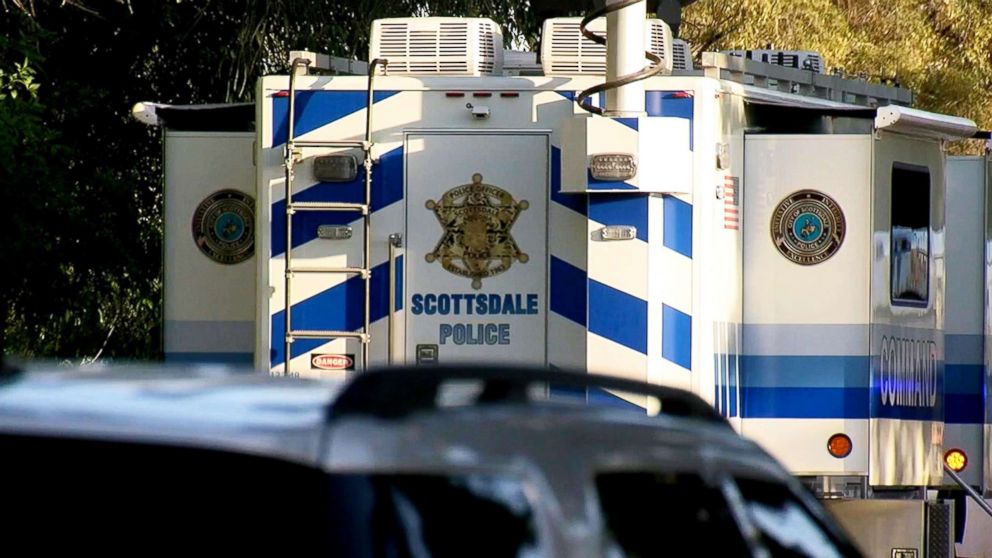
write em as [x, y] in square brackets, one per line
[681, 56]
[565, 52]
[443, 46]
[798, 59]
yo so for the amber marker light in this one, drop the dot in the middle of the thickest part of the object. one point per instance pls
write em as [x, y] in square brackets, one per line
[839, 445]
[956, 460]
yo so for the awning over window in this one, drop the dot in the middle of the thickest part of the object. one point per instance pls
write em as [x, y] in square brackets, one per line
[231, 117]
[819, 107]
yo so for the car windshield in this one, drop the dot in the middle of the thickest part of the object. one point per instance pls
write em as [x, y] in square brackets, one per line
[398, 516]
[647, 514]
[785, 528]
[646, 511]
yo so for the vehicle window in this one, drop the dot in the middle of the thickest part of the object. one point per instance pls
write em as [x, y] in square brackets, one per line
[68, 496]
[910, 264]
[399, 516]
[653, 514]
[784, 526]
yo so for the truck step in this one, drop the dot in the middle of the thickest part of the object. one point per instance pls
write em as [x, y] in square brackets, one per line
[326, 334]
[329, 144]
[364, 272]
[328, 206]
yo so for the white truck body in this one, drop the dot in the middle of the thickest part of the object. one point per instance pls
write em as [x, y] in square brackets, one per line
[811, 266]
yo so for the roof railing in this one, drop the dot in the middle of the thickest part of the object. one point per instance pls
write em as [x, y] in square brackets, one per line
[803, 82]
[396, 393]
[326, 63]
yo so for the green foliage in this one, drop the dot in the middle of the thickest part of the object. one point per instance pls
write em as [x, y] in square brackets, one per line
[939, 49]
[82, 267]
[79, 262]
[81, 182]
[19, 82]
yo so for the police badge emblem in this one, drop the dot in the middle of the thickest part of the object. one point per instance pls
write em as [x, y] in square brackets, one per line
[808, 227]
[224, 226]
[476, 219]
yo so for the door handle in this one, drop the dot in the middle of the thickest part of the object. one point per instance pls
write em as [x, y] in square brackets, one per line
[395, 242]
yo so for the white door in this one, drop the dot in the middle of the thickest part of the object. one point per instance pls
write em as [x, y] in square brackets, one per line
[476, 247]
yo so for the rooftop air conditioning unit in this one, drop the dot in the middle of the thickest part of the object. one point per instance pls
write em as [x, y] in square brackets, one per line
[565, 52]
[681, 56]
[799, 59]
[441, 46]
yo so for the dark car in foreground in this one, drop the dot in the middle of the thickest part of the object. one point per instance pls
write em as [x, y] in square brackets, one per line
[406, 462]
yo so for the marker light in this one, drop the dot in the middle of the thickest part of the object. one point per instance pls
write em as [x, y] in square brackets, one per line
[619, 232]
[613, 166]
[956, 459]
[335, 168]
[839, 445]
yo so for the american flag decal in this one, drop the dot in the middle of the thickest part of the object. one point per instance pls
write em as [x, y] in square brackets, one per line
[731, 205]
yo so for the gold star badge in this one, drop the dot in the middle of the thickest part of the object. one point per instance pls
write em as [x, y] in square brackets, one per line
[476, 219]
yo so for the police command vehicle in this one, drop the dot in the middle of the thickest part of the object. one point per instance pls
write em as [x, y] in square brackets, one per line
[794, 247]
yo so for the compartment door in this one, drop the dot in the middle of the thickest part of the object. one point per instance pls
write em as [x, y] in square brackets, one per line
[476, 247]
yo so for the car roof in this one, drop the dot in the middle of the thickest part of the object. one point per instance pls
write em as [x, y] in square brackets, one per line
[223, 408]
[439, 417]
[549, 434]
[207, 406]
[558, 447]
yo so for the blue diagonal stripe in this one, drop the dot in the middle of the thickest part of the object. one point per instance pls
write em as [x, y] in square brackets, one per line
[595, 184]
[618, 316]
[566, 392]
[603, 398]
[387, 188]
[658, 103]
[676, 336]
[568, 291]
[669, 103]
[628, 122]
[621, 209]
[318, 108]
[678, 226]
[575, 202]
[339, 308]
[593, 396]
[398, 303]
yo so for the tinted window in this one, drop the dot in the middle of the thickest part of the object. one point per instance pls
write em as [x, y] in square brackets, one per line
[117, 498]
[396, 516]
[910, 265]
[657, 514]
[67, 497]
[785, 528]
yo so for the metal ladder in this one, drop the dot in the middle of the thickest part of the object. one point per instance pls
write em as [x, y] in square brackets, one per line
[293, 156]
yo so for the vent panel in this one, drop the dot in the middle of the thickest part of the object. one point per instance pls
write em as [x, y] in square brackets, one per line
[798, 59]
[438, 46]
[681, 55]
[564, 51]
